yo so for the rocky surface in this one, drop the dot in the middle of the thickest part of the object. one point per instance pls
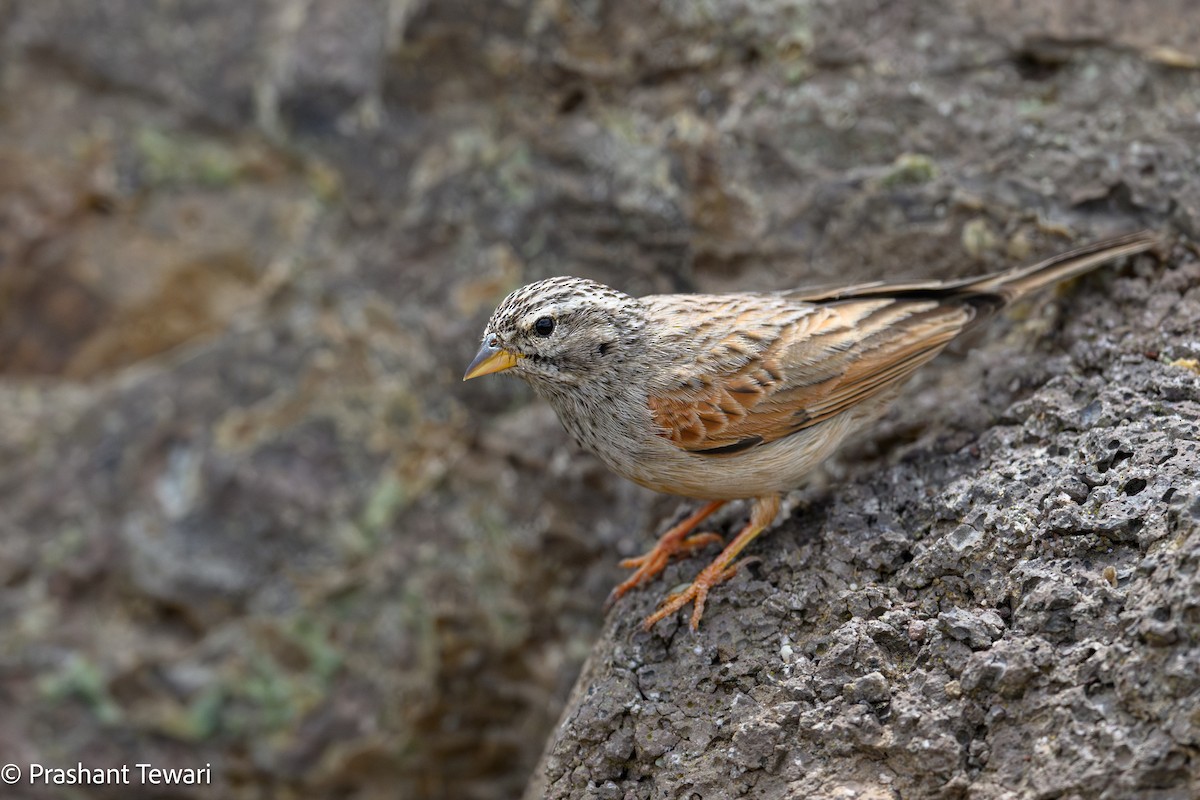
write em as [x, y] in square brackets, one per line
[1001, 615]
[250, 517]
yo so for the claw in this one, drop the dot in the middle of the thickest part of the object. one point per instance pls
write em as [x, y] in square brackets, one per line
[696, 592]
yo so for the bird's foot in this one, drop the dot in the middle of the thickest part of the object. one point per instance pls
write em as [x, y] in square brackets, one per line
[696, 592]
[650, 564]
[722, 569]
[674, 542]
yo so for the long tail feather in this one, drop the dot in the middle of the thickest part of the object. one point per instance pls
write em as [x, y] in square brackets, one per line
[1023, 280]
[998, 288]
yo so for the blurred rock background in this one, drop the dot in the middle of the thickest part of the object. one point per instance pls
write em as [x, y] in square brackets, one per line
[250, 517]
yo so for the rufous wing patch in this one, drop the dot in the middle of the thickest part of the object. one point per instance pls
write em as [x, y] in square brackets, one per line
[821, 366]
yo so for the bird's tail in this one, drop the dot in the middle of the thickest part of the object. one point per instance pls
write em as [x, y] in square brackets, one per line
[1019, 282]
[998, 289]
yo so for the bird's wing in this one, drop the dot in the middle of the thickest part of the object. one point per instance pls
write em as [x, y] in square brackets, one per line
[824, 362]
[766, 366]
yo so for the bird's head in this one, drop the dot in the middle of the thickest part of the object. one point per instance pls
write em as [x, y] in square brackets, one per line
[558, 331]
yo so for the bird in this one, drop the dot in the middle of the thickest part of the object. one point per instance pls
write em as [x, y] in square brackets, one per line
[724, 397]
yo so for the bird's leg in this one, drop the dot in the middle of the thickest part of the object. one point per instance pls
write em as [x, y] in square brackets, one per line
[674, 541]
[762, 513]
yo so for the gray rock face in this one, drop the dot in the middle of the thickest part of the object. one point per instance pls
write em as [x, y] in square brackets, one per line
[965, 622]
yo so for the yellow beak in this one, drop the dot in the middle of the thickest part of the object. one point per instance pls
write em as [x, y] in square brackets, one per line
[489, 359]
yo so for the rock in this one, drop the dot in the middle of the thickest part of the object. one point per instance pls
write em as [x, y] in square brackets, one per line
[976, 630]
[1027, 694]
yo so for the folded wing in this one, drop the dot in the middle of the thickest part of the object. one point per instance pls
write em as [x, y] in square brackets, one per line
[824, 363]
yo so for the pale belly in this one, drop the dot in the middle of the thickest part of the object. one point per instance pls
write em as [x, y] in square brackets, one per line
[777, 467]
[622, 436]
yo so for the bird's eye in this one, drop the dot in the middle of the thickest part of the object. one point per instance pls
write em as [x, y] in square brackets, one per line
[544, 326]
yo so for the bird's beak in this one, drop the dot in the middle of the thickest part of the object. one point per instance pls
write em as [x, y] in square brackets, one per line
[490, 358]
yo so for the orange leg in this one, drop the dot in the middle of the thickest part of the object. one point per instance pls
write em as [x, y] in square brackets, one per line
[674, 541]
[762, 513]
